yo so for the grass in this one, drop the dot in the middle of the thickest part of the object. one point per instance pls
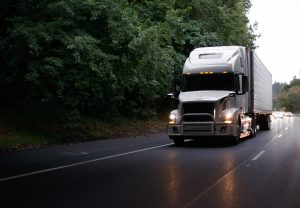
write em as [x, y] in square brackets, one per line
[21, 135]
[128, 128]
[22, 138]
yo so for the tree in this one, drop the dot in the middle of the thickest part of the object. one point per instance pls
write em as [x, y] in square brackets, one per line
[277, 88]
[106, 59]
[227, 20]
[290, 99]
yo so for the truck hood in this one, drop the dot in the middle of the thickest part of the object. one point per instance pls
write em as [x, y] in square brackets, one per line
[204, 95]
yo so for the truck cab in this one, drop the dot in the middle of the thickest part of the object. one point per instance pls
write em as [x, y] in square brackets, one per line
[214, 98]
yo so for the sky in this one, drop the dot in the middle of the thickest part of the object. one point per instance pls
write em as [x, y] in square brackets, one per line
[279, 44]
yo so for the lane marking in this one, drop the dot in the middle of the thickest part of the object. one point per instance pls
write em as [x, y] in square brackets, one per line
[258, 155]
[81, 163]
[75, 153]
[189, 204]
[213, 185]
[280, 135]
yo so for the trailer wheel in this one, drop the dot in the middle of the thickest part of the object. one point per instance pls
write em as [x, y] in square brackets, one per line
[268, 122]
[265, 123]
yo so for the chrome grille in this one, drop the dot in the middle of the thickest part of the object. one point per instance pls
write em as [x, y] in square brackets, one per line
[206, 109]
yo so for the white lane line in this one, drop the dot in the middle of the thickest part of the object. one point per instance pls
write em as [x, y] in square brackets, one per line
[286, 128]
[189, 204]
[81, 163]
[258, 155]
[280, 135]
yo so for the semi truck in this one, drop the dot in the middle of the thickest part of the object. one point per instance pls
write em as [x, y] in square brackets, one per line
[225, 91]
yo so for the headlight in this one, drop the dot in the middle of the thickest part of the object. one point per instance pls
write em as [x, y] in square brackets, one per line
[228, 118]
[172, 118]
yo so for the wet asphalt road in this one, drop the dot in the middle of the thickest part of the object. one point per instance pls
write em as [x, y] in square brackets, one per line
[152, 172]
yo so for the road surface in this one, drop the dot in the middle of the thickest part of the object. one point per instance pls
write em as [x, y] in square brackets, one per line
[152, 172]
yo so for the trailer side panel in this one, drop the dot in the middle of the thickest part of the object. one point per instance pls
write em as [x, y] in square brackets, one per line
[262, 87]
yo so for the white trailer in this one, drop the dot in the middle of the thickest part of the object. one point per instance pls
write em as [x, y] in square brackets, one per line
[225, 91]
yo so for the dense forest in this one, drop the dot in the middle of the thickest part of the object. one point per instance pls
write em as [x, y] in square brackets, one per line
[106, 59]
[286, 97]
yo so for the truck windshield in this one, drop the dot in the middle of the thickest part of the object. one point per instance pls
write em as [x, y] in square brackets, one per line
[216, 81]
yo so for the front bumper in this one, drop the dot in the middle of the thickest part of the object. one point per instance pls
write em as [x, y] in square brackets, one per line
[202, 129]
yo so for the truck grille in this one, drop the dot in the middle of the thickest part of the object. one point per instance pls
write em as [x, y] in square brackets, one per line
[197, 118]
[205, 108]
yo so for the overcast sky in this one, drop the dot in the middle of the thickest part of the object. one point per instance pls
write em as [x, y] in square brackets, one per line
[279, 44]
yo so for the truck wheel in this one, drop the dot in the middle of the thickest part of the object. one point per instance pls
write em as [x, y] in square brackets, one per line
[253, 129]
[253, 132]
[265, 123]
[236, 139]
[268, 127]
[262, 126]
[178, 141]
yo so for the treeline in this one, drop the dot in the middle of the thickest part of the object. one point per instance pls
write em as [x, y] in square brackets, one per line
[106, 58]
[288, 98]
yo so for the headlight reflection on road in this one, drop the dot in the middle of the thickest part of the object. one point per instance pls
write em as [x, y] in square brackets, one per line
[228, 190]
[172, 182]
[228, 183]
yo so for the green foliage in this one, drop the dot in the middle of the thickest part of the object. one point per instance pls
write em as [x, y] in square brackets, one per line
[224, 20]
[106, 59]
[289, 98]
[277, 88]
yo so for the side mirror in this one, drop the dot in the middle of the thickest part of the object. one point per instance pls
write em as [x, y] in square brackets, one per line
[176, 82]
[172, 96]
[172, 101]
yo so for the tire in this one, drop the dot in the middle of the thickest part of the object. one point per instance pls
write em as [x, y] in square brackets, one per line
[253, 129]
[178, 141]
[234, 140]
[268, 123]
[253, 132]
[265, 123]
